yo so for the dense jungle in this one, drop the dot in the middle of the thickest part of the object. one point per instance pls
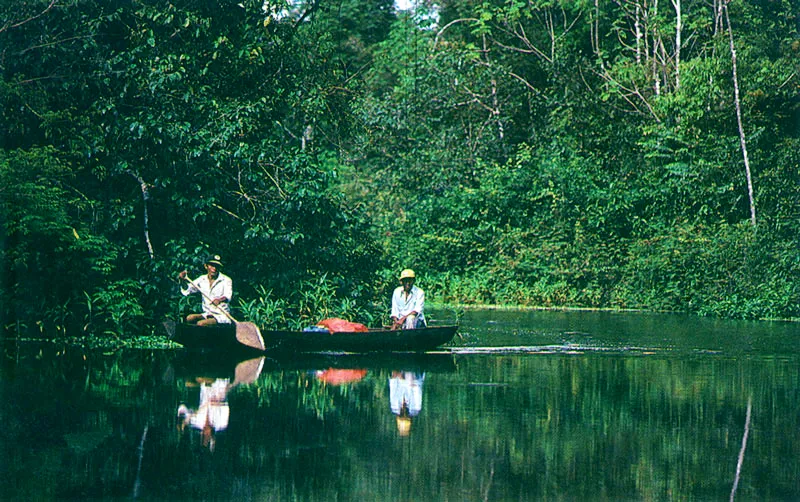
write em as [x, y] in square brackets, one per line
[626, 154]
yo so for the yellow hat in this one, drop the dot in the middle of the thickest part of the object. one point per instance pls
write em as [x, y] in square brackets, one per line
[403, 426]
[407, 274]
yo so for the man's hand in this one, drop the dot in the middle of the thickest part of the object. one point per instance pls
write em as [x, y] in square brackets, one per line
[182, 275]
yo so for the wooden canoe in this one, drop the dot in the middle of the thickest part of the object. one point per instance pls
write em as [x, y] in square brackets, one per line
[374, 340]
[221, 338]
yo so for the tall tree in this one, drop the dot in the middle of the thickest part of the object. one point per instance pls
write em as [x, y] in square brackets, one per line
[738, 105]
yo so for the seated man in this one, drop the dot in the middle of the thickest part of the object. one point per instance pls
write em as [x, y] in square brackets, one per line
[216, 289]
[408, 303]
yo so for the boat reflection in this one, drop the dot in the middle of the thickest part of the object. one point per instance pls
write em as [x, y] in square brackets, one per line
[373, 363]
[404, 372]
[320, 388]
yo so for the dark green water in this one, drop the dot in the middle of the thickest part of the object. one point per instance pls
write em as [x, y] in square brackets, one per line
[525, 406]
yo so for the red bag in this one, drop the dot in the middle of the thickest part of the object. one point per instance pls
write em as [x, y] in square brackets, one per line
[335, 325]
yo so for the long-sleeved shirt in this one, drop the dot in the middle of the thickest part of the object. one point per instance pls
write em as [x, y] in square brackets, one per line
[405, 390]
[403, 304]
[222, 286]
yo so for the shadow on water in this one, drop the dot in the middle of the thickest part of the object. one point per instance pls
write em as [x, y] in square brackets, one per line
[526, 405]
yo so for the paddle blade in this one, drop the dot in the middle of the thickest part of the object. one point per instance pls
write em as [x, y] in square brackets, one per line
[249, 335]
[169, 327]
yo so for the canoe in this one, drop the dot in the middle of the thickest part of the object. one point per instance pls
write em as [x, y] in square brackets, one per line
[374, 340]
[221, 338]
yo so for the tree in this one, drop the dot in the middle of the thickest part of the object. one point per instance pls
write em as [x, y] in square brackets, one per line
[172, 126]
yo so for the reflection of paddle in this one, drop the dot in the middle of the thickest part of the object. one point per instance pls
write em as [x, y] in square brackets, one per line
[247, 333]
[247, 372]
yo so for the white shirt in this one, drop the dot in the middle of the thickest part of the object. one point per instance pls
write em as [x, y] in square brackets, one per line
[406, 389]
[213, 409]
[414, 302]
[222, 286]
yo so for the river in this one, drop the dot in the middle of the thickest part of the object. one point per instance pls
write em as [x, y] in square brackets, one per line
[523, 405]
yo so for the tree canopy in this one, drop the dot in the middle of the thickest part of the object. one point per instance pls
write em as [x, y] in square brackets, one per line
[528, 153]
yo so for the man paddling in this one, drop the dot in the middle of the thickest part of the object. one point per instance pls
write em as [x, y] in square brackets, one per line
[216, 289]
[408, 303]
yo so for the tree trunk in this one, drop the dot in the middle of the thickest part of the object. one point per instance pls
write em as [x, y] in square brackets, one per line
[678, 35]
[737, 102]
[146, 223]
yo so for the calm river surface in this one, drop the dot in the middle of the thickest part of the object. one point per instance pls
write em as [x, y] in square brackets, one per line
[524, 406]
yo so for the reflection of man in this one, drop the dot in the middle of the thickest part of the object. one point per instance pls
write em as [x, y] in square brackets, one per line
[405, 398]
[212, 415]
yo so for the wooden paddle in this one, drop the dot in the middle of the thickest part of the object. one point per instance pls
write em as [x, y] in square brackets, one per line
[247, 333]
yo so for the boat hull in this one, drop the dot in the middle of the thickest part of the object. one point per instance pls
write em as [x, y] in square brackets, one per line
[221, 338]
[375, 340]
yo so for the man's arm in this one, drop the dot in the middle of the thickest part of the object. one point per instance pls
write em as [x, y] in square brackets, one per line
[227, 292]
[183, 282]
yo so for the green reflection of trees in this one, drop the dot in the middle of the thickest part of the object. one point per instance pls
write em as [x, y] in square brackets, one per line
[640, 427]
[77, 420]
[565, 427]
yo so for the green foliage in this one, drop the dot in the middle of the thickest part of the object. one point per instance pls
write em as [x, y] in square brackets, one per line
[538, 153]
[201, 118]
[264, 310]
[117, 305]
[309, 302]
[730, 271]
